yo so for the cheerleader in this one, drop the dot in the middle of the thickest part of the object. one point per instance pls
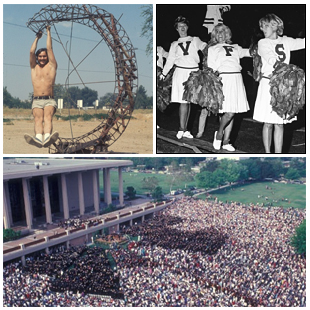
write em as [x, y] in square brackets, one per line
[224, 57]
[213, 17]
[272, 49]
[183, 54]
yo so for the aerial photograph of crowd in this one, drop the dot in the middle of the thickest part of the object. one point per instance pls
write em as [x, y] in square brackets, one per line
[194, 253]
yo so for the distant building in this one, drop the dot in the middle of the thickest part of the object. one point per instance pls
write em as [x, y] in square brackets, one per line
[36, 189]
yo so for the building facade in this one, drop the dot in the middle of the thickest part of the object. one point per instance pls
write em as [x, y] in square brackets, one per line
[44, 190]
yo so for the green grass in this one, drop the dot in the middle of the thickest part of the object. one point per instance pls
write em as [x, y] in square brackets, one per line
[294, 193]
[7, 121]
[136, 180]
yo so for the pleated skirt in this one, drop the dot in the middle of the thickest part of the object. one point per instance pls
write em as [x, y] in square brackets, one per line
[180, 76]
[263, 111]
[235, 99]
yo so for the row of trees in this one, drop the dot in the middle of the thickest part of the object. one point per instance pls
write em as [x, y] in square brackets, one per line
[74, 93]
[216, 173]
[256, 168]
[159, 163]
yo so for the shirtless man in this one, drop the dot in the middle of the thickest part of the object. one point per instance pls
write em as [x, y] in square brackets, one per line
[43, 73]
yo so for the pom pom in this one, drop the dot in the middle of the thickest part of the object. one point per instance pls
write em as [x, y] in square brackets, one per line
[163, 89]
[257, 62]
[204, 87]
[287, 89]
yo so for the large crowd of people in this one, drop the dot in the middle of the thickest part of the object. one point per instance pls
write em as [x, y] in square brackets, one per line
[78, 222]
[245, 259]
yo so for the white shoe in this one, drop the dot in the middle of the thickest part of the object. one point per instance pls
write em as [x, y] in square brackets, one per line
[199, 135]
[180, 134]
[51, 139]
[228, 147]
[188, 135]
[217, 143]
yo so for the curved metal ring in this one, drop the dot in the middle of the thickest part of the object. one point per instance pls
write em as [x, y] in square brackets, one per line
[126, 80]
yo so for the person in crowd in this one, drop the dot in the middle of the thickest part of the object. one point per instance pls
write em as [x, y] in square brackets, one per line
[195, 253]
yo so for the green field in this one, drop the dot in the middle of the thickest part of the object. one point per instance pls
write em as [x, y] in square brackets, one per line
[136, 180]
[286, 195]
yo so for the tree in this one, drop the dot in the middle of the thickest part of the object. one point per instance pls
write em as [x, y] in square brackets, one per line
[59, 92]
[292, 174]
[106, 100]
[88, 96]
[219, 177]
[9, 234]
[11, 102]
[277, 167]
[298, 240]
[206, 179]
[150, 183]
[157, 193]
[131, 192]
[141, 101]
[188, 193]
[253, 167]
[178, 174]
[74, 93]
[231, 170]
[210, 166]
[71, 96]
[300, 165]
[147, 28]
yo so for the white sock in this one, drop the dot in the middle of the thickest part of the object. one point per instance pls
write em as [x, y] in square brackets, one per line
[46, 136]
[39, 136]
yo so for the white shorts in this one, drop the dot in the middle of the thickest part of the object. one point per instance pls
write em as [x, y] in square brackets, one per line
[42, 103]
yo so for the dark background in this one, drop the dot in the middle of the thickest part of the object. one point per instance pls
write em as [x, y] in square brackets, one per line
[243, 21]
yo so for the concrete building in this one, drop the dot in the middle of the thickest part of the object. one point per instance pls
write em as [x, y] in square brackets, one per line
[42, 190]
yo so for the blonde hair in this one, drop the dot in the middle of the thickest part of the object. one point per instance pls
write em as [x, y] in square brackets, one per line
[228, 34]
[274, 20]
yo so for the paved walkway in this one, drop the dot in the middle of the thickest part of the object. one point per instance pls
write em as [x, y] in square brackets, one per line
[52, 229]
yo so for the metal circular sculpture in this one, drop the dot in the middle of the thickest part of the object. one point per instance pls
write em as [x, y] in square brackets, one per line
[126, 81]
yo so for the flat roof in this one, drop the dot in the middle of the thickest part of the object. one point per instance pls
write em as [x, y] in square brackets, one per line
[15, 168]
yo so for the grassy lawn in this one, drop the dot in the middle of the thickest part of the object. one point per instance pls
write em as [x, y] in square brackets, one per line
[136, 180]
[286, 195]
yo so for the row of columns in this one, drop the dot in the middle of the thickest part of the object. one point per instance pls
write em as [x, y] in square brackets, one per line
[7, 216]
[88, 235]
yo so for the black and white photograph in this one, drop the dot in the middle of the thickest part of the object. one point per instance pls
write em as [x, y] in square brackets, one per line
[230, 78]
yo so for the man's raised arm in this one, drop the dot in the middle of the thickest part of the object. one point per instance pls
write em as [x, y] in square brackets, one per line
[33, 48]
[50, 53]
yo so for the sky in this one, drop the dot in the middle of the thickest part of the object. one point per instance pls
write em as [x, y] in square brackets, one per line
[97, 67]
